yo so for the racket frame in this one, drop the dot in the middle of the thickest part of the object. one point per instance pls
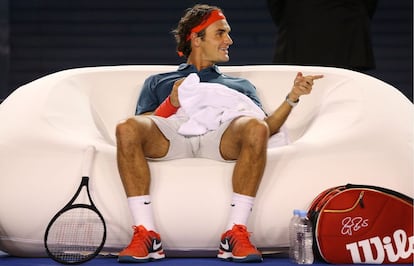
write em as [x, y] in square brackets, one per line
[70, 205]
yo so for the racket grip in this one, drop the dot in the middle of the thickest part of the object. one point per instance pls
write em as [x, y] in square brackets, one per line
[89, 154]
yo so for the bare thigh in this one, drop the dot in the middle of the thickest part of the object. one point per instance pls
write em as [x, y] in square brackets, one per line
[154, 143]
[232, 139]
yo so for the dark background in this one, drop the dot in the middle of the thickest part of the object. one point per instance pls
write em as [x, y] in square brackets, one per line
[39, 37]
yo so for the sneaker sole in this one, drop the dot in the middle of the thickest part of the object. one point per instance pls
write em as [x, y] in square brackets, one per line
[132, 259]
[228, 256]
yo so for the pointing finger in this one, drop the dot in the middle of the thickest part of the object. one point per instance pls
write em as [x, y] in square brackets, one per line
[314, 77]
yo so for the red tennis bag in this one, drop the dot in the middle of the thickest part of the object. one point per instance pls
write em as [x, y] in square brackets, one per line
[362, 224]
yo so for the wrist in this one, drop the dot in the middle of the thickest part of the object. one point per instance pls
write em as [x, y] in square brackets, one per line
[292, 101]
[166, 108]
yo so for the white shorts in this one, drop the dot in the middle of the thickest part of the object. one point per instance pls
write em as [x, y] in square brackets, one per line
[203, 146]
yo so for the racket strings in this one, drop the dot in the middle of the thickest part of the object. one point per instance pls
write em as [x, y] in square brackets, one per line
[76, 235]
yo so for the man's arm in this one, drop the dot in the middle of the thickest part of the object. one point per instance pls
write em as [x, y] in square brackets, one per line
[171, 104]
[174, 93]
[302, 86]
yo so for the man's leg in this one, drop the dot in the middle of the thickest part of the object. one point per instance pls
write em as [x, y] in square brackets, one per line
[245, 140]
[137, 139]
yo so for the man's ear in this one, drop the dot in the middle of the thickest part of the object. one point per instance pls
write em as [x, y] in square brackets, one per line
[195, 39]
[193, 35]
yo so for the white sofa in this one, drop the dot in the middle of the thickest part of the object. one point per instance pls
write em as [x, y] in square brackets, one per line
[352, 129]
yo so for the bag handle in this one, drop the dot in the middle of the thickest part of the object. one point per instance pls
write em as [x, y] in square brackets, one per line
[359, 201]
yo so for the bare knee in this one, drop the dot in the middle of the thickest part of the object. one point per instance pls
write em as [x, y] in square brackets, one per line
[141, 134]
[124, 129]
[256, 134]
[128, 132]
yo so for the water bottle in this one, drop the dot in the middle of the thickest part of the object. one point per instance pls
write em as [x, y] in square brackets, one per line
[292, 232]
[302, 246]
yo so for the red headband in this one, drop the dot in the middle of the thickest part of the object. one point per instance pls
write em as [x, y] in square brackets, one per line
[214, 16]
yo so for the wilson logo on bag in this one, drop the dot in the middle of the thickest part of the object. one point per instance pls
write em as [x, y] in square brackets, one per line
[363, 224]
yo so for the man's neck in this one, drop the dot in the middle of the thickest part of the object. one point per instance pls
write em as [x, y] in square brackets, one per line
[199, 63]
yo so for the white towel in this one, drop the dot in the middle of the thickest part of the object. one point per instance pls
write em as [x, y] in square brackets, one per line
[208, 105]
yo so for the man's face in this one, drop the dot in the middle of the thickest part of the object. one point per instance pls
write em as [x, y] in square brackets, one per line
[216, 42]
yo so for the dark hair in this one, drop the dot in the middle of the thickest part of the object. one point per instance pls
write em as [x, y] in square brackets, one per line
[192, 17]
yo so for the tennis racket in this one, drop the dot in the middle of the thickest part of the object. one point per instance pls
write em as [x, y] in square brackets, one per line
[77, 232]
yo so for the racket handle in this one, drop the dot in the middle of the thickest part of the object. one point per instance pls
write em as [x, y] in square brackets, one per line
[87, 160]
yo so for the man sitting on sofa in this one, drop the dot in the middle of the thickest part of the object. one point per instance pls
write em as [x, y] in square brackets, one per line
[202, 37]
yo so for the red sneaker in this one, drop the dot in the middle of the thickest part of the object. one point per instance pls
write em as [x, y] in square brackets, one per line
[235, 245]
[145, 246]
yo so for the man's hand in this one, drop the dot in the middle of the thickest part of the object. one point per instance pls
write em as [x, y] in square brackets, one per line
[174, 93]
[302, 85]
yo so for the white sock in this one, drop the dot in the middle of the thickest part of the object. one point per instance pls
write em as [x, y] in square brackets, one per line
[241, 207]
[141, 210]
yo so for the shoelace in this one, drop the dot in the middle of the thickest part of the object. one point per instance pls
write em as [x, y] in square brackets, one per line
[140, 236]
[240, 236]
